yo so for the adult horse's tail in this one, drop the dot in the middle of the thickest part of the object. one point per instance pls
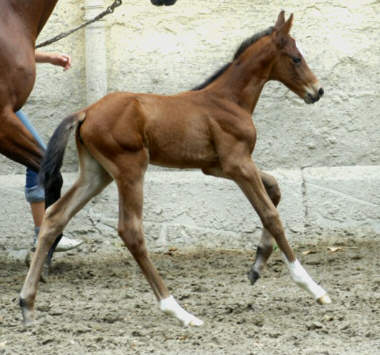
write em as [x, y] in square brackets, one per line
[50, 176]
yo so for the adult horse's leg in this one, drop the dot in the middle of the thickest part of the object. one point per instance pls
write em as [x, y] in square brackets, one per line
[129, 180]
[93, 179]
[17, 143]
[265, 248]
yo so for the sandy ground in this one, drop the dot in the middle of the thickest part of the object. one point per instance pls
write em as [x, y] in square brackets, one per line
[97, 302]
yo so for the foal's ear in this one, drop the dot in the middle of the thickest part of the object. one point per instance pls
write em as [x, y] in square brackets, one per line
[280, 19]
[285, 29]
[281, 33]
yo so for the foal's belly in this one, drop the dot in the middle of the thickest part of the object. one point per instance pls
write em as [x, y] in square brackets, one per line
[181, 144]
[182, 160]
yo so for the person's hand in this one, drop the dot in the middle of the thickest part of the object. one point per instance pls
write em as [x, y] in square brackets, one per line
[62, 60]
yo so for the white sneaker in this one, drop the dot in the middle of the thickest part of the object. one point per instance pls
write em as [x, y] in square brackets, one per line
[66, 244]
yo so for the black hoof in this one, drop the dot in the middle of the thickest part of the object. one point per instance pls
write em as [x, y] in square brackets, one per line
[253, 276]
[22, 303]
[27, 314]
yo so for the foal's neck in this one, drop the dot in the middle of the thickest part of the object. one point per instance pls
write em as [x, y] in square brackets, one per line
[247, 75]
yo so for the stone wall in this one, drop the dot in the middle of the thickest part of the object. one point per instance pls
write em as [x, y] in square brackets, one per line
[188, 209]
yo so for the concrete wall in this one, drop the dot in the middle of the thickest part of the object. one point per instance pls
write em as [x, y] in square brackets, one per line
[171, 49]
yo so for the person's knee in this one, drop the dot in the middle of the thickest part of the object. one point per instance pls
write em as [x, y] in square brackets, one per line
[35, 194]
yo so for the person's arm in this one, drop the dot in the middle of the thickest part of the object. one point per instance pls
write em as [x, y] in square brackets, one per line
[59, 59]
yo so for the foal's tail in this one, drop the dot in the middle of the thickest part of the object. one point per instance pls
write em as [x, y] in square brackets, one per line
[53, 158]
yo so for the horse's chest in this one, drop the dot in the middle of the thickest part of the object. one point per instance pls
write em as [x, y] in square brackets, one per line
[233, 129]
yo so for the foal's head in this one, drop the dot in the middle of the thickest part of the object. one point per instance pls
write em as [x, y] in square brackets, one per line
[290, 67]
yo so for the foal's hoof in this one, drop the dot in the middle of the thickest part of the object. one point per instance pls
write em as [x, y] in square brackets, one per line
[325, 299]
[253, 276]
[192, 321]
[28, 320]
[27, 314]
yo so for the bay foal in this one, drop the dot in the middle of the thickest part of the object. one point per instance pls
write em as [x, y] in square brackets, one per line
[209, 128]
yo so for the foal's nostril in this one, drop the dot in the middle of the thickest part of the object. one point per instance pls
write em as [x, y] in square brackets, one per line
[321, 92]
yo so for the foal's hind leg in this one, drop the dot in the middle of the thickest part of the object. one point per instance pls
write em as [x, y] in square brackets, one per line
[130, 185]
[93, 178]
[265, 248]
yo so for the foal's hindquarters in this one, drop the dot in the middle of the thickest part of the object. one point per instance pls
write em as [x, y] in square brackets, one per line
[127, 169]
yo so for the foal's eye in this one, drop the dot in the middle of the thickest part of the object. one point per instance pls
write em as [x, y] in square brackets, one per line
[297, 60]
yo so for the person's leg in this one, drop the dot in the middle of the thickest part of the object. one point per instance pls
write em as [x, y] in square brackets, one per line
[35, 194]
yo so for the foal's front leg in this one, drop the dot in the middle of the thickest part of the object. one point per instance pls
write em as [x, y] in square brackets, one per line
[265, 248]
[247, 176]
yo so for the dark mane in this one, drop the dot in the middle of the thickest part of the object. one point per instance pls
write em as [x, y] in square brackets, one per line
[214, 76]
[243, 46]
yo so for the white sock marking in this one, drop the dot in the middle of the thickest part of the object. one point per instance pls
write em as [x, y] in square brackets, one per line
[170, 306]
[303, 279]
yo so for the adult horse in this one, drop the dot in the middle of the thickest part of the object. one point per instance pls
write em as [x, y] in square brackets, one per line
[20, 24]
[209, 128]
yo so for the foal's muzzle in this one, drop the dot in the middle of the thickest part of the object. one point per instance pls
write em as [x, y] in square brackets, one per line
[313, 94]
